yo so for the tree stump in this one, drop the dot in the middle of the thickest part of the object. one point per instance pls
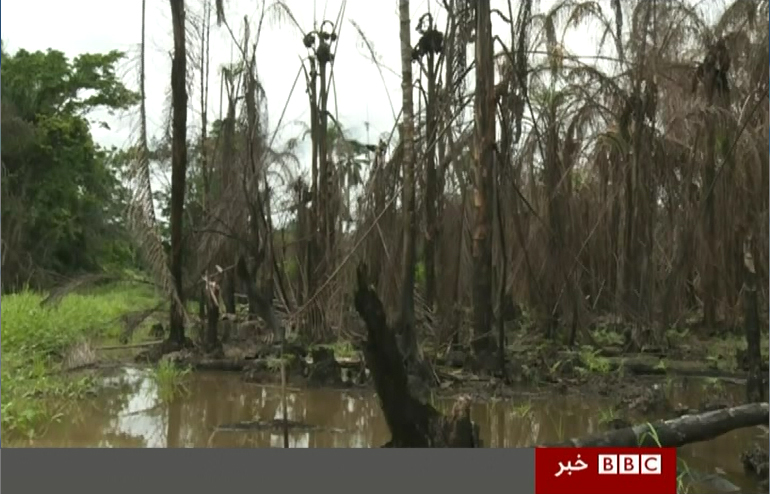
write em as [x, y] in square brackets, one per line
[412, 423]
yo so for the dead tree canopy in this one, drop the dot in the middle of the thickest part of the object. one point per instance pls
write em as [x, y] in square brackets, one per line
[412, 424]
[679, 431]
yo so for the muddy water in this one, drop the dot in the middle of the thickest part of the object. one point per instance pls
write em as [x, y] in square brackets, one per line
[129, 413]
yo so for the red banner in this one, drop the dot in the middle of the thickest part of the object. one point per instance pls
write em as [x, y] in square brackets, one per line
[605, 471]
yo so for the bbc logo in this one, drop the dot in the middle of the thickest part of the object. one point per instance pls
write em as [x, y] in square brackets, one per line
[629, 465]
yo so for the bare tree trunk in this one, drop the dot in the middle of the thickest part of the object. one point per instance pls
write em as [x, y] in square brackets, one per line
[258, 238]
[557, 241]
[326, 214]
[326, 177]
[313, 245]
[211, 297]
[204, 101]
[229, 295]
[755, 388]
[209, 306]
[409, 337]
[715, 95]
[633, 244]
[268, 278]
[147, 185]
[412, 424]
[483, 181]
[457, 312]
[709, 269]
[225, 184]
[431, 186]
[178, 165]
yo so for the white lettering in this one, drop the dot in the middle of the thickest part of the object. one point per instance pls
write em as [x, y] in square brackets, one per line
[569, 467]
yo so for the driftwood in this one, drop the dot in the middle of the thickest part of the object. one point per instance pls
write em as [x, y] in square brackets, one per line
[679, 431]
[412, 424]
[646, 367]
[755, 383]
[226, 365]
[349, 363]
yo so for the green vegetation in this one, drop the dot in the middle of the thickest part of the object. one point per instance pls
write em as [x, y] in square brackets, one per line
[273, 364]
[343, 349]
[522, 410]
[684, 485]
[607, 415]
[62, 196]
[170, 379]
[607, 337]
[593, 362]
[558, 427]
[63, 206]
[722, 351]
[36, 343]
[712, 386]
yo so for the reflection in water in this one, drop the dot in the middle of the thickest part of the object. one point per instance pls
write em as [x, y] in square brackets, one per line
[130, 414]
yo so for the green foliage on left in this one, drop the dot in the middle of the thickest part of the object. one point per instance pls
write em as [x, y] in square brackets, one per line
[36, 339]
[63, 197]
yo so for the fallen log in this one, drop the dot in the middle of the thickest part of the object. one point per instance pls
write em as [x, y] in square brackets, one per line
[127, 347]
[412, 423]
[646, 366]
[679, 431]
[349, 363]
[274, 425]
[224, 365]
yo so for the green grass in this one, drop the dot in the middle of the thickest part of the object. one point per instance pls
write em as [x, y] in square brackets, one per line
[683, 484]
[607, 415]
[721, 351]
[593, 362]
[522, 410]
[273, 364]
[35, 339]
[342, 349]
[712, 386]
[604, 336]
[170, 380]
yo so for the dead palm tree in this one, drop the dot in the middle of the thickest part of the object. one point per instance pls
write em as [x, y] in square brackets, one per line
[483, 181]
[141, 211]
[407, 319]
[178, 165]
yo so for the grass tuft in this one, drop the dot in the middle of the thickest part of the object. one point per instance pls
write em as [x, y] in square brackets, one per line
[170, 379]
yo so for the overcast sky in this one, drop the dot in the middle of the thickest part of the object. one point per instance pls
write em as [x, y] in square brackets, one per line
[98, 26]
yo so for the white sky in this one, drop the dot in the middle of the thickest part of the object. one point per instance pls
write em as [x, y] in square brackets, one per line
[98, 26]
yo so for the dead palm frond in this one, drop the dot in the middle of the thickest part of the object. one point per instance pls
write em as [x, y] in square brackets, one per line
[141, 212]
[75, 285]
